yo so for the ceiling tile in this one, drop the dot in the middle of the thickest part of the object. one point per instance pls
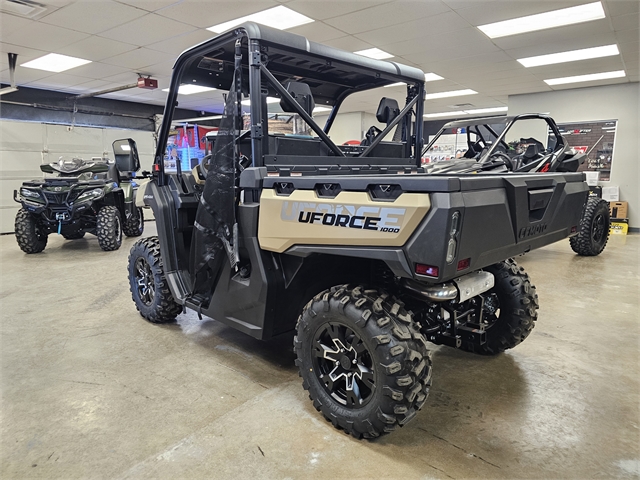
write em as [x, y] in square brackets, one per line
[24, 76]
[317, 32]
[149, 5]
[570, 86]
[446, 24]
[625, 22]
[569, 43]
[433, 43]
[139, 58]
[348, 43]
[44, 37]
[388, 14]
[93, 16]
[13, 23]
[96, 48]
[559, 36]
[99, 70]
[146, 30]
[331, 8]
[201, 14]
[58, 80]
[176, 45]
[583, 67]
[621, 7]
[24, 54]
[500, 10]
[627, 36]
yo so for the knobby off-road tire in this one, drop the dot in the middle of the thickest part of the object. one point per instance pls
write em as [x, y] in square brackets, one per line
[109, 228]
[135, 225]
[593, 232]
[29, 235]
[148, 285]
[73, 236]
[510, 309]
[369, 334]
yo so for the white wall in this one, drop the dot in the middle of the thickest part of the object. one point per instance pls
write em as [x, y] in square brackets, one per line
[610, 102]
[25, 145]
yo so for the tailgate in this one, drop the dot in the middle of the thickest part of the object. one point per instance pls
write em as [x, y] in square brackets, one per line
[498, 217]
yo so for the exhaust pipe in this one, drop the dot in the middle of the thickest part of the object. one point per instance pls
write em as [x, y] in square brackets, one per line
[460, 290]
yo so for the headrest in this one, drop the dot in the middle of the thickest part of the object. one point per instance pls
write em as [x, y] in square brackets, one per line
[387, 110]
[302, 94]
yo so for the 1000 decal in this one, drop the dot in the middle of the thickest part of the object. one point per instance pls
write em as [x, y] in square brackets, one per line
[381, 219]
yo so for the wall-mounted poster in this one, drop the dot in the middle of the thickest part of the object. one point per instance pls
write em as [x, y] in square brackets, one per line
[596, 139]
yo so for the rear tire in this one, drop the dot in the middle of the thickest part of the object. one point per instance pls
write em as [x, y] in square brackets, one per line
[109, 229]
[29, 235]
[510, 309]
[148, 285]
[73, 236]
[593, 232]
[363, 360]
[134, 227]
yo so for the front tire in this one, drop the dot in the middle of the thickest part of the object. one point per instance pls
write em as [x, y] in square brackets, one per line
[29, 235]
[510, 309]
[363, 360]
[593, 233]
[109, 228]
[148, 285]
[134, 226]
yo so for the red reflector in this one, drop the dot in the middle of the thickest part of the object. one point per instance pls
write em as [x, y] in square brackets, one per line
[156, 167]
[427, 270]
[574, 229]
[464, 264]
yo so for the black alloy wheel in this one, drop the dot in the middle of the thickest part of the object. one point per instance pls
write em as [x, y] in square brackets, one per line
[343, 365]
[144, 281]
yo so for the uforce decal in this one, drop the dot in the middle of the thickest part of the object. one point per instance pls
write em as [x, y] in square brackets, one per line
[532, 230]
[382, 219]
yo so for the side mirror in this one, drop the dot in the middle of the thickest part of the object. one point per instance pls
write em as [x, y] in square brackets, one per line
[126, 155]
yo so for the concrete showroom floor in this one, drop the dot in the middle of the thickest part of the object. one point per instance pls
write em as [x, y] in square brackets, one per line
[91, 390]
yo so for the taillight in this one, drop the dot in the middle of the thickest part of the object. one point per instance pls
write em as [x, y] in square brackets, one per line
[428, 270]
[464, 264]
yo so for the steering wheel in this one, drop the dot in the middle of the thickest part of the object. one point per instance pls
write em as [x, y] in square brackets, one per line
[502, 158]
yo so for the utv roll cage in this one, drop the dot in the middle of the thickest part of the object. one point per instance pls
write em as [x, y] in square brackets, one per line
[301, 74]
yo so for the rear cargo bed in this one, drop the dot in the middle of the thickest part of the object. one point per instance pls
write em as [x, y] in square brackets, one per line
[498, 216]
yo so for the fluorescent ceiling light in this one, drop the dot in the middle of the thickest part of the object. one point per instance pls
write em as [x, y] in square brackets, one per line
[445, 114]
[54, 62]
[453, 93]
[432, 77]
[487, 110]
[466, 112]
[571, 56]
[374, 53]
[190, 89]
[585, 78]
[269, 100]
[279, 17]
[428, 77]
[542, 21]
[321, 109]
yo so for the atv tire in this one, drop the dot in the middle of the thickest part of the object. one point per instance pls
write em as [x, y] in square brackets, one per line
[73, 236]
[362, 359]
[593, 232]
[29, 235]
[135, 225]
[148, 285]
[109, 228]
[510, 309]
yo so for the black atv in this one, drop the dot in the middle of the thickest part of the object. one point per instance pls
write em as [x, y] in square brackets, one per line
[506, 144]
[92, 196]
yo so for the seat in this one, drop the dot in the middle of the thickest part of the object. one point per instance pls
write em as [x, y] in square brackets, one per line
[531, 153]
[387, 112]
[301, 93]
